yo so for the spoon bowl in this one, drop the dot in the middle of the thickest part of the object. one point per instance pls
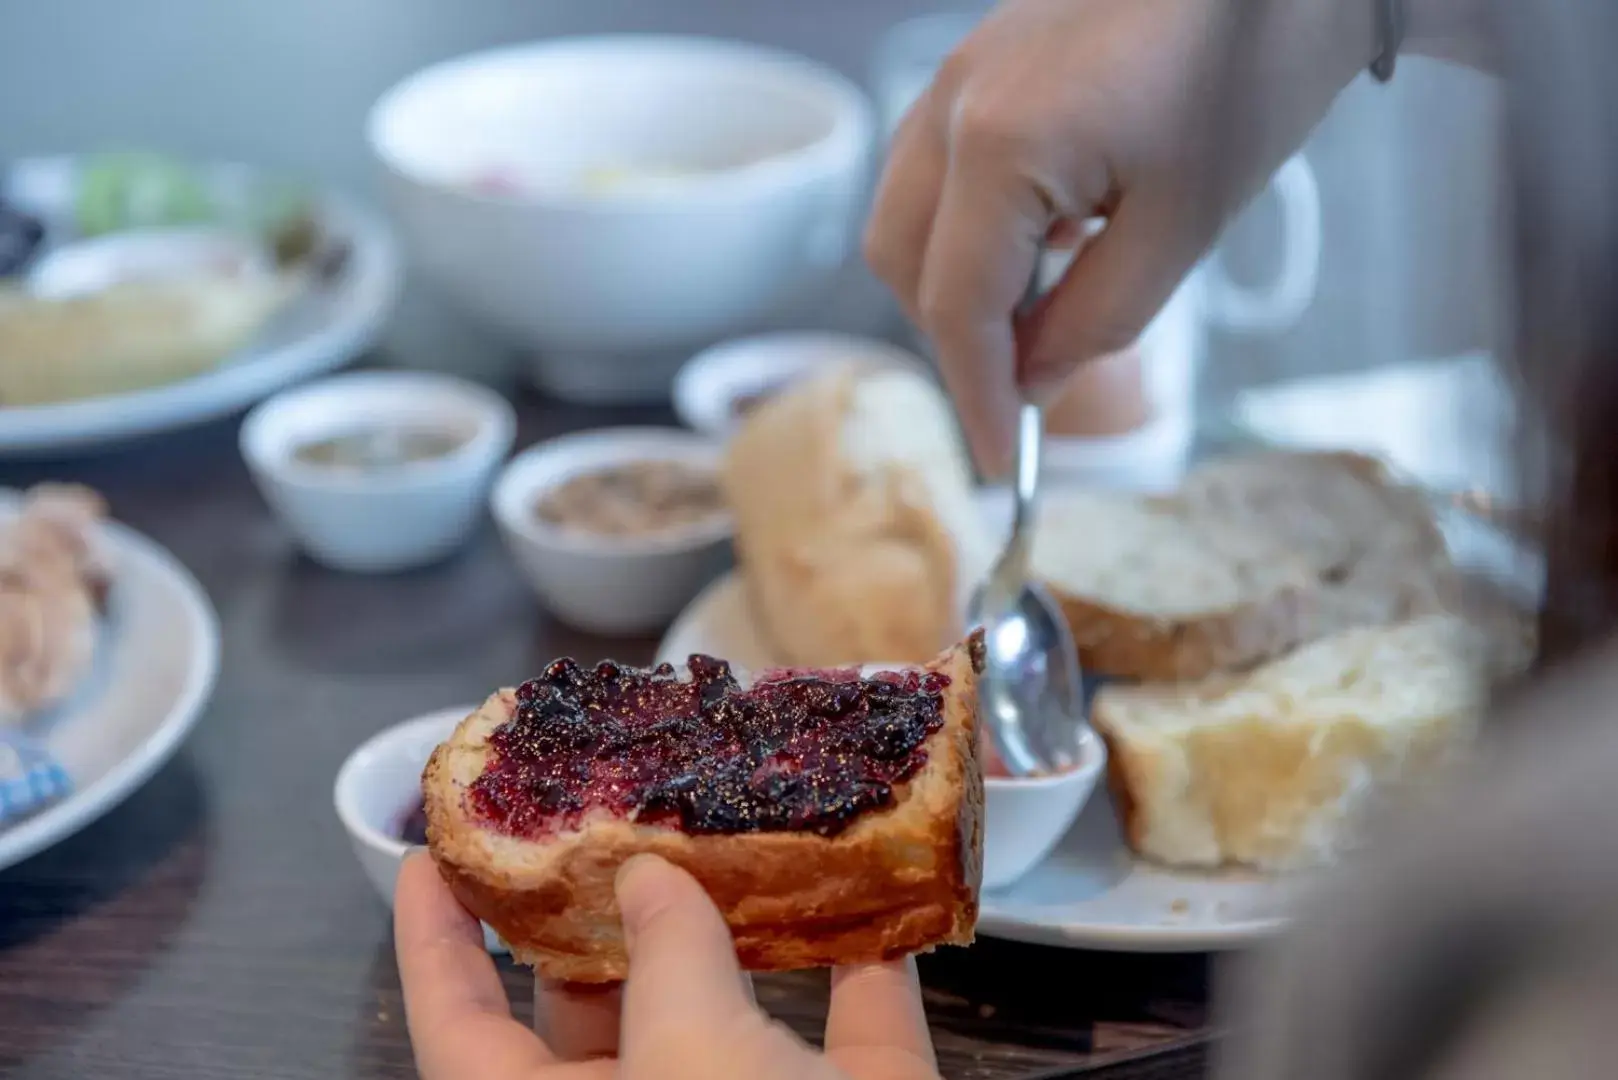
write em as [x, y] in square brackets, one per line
[1031, 692]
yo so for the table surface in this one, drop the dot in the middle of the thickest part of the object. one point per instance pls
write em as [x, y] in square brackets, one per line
[216, 925]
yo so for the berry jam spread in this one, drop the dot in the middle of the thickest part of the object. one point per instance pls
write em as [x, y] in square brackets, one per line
[799, 751]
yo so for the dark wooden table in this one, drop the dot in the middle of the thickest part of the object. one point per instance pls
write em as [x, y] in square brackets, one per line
[216, 925]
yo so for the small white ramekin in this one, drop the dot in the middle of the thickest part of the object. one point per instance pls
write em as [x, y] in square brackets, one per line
[377, 788]
[1025, 817]
[609, 584]
[388, 520]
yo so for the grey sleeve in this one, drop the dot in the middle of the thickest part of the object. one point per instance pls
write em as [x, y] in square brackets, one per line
[1475, 938]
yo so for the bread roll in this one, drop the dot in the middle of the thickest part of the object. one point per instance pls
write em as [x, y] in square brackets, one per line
[856, 527]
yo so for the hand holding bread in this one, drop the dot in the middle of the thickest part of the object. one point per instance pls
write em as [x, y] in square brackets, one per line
[1285, 638]
[832, 818]
[685, 1011]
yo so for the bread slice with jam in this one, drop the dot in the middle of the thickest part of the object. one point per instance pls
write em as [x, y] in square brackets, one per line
[833, 819]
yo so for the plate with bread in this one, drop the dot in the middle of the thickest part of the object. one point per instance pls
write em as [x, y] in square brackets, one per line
[108, 652]
[1276, 650]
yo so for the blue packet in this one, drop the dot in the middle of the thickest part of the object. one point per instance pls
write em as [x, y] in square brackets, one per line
[30, 778]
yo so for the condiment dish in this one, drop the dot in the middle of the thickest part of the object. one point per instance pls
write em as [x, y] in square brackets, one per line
[1025, 817]
[388, 515]
[617, 202]
[609, 584]
[378, 787]
[713, 390]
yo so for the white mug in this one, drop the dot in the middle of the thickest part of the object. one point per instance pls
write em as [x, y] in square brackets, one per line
[1175, 342]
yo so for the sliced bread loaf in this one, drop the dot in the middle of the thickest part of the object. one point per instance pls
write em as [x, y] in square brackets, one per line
[1255, 555]
[1372, 543]
[1273, 768]
[856, 528]
[1152, 592]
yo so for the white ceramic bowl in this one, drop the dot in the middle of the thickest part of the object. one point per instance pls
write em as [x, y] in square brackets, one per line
[377, 788]
[708, 387]
[1026, 817]
[656, 194]
[387, 520]
[609, 585]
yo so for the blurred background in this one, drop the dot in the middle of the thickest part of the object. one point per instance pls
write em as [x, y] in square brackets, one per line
[1407, 178]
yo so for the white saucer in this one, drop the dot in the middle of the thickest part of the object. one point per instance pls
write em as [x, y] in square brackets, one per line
[1091, 893]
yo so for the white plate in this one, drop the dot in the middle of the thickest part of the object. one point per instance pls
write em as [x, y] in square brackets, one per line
[156, 659]
[1093, 893]
[331, 326]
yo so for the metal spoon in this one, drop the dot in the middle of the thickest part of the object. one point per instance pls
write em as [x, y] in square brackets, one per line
[1031, 692]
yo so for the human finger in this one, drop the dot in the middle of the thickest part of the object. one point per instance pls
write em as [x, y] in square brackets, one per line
[685, 987]
[460, 1020]
[578, 1022]
[906, 199]
[877, 1009]
[980, 257]
[1116, 283]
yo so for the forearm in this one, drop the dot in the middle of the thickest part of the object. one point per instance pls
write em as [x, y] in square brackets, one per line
[1291, 58]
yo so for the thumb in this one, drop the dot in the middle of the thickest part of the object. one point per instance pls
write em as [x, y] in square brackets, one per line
[685, 988]
[1115, 286]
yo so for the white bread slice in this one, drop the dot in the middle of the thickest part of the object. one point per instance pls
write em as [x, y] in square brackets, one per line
[1373, 543]
[901, 879]
[856, 529]
[1255, 555]
[1151, 592]
[1274, 768]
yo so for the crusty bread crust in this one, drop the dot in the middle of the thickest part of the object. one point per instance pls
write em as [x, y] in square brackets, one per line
[899, 880]
[1133, 645]
[840, 567]
[1369, 552]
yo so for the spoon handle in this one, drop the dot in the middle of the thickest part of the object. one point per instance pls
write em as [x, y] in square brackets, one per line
[1030, 441]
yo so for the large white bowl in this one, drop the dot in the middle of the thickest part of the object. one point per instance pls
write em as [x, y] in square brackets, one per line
[614, 286]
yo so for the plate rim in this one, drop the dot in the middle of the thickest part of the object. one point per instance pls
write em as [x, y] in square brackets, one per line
[84, 806]
[377, 285]
[1141, 938]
